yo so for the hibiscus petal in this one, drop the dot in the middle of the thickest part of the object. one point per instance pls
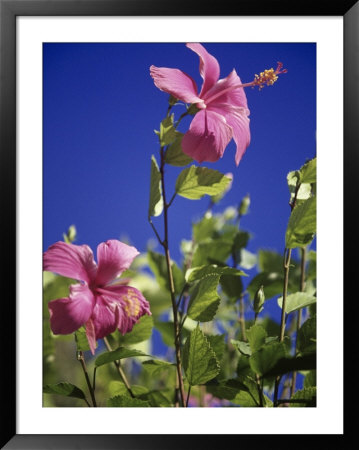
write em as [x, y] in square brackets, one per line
[69, 314]
[105, 316]
[222, 93]
[207, 137]
[113, 258]
[132, 305]
[238, 119]
[91, 335]
[208, 67]
[69, 260]
[176, 83]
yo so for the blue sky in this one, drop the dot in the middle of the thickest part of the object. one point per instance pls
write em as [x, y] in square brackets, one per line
[100, 110]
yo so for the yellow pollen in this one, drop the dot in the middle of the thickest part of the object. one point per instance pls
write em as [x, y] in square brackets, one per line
[132, 307]
[268, 77]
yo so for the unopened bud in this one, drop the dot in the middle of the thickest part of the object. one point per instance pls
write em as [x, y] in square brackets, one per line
[259, 298]
[244, 205]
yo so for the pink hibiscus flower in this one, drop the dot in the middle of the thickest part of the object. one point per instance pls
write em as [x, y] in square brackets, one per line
[222, 103]
[100, 302]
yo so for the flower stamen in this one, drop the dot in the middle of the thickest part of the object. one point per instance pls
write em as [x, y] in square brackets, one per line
[268, 77]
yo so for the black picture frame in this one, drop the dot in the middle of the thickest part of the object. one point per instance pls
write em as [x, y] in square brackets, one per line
[9, 10]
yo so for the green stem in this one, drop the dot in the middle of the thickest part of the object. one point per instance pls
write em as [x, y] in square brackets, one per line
[80, 357]
[120, 370]
[299, 314]
[165, 244]
[188, 394]
[286, 265]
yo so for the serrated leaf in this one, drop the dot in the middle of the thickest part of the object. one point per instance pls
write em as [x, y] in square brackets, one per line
[307, 335]
[141, 331]
[174, 154]
[195, 182]
[256, 337]
[156, 201]
[266, 357]
[199, 360]
[198, 273]
[306, 397]
[156, 366]
[204, 300]
[119, 388]
[66, 389]
[309, 171]
[123, 401]
[116, 355]
[158, 265]
[217, 344]
[296, 301]
[302, 224]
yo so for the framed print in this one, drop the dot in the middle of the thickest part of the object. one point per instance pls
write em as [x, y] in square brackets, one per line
[169, 236]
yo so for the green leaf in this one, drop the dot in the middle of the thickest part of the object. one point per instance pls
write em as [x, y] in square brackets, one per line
[232, 286]
[266, 357]
[141, 331]
[309, 171]
[218, 250]
[174, 154]
[204, 299]
[256, 337]
[168, 133]
[302, 224]
[272, 283]
[306, 397]
[205, 228]
[162, 398]
[270, 261]
[158, 265]
[156, 366]
[198, 273]
[296, 301]
[307, 336]
[116, 355]
[119, 388]
[66, 389]
[310, 379]
[156, 201]
[243, 347]
[81, 340]
[217, 344]
[303, 192]
[199, 360]
[121, 401]
[247, 259]
[195, 182]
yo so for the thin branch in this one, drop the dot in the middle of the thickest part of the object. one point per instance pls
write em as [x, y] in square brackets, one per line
[120, 370]
[80, 357]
